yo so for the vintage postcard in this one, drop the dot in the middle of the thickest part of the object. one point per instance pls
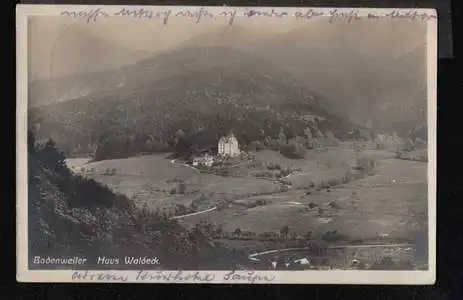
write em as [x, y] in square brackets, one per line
[170, 144]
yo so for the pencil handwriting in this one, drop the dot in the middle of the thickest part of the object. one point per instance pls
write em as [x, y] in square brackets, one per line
[198, 15]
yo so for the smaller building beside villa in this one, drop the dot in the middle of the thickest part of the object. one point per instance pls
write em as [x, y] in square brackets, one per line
[207, 160]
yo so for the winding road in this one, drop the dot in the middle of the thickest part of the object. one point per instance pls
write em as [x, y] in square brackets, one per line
[253, 256]
[195, 213]
[173, 161]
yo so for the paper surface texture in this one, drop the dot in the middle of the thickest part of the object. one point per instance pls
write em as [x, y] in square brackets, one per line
[260, 145]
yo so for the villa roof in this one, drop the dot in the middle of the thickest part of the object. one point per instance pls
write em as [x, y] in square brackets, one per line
[227, 138]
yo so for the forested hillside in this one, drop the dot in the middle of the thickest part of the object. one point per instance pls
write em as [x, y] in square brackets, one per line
[70, 215]
[249, 96]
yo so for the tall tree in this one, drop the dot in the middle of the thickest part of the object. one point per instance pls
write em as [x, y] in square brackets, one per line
[281, 137]
[284, 231]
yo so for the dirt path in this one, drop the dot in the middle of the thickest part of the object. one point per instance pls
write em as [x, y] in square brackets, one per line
[173, 161]
[199, 180]
[195, 213]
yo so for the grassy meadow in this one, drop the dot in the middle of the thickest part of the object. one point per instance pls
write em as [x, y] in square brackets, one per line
[388, 203]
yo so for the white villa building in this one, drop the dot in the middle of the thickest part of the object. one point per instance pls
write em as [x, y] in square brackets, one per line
[228, 146]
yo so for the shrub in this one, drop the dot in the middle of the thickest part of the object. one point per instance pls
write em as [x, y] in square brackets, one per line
[333, 204]
[292, 150]
[324, 184]
[334, 182]
[272, 144]
[313, 144]
[285, 172]
[365, 164]
[283, 188]
[308, 235]
[357, 147]
[348, 177]
[331, 236]
[256, 146]
[271, 166]
[284, 231]
[261, 202]
[50, 157]
[312, 205]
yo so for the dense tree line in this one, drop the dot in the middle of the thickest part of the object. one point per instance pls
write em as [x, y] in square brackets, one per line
[148, 123]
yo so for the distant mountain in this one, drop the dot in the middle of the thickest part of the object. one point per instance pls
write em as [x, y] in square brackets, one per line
[77, 50]
[380, 78]
[48, 91]
[239, 91]
[131, 76]
[381, 81]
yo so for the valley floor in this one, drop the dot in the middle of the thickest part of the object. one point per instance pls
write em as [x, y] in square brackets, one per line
[391, 204]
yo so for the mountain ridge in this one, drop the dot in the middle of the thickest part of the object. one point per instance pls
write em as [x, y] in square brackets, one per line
[244, 94]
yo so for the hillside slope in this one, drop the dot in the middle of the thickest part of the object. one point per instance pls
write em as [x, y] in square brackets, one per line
[70, 215]
[133, 75]
[382, 78]
[242, 93]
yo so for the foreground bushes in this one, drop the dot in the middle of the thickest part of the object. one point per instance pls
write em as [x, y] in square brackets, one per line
[72, 215]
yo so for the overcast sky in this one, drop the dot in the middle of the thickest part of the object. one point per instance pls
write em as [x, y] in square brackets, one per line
[57, 45]
[46, 34]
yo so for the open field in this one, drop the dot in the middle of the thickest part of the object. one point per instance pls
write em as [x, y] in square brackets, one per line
[142, 178]
[149, 179]
[391, 203]
[318, 167]
[76, 163]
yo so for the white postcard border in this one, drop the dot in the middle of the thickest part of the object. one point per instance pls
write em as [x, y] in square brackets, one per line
[279, 277]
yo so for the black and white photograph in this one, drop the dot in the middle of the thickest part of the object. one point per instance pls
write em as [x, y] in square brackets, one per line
[226, 144]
